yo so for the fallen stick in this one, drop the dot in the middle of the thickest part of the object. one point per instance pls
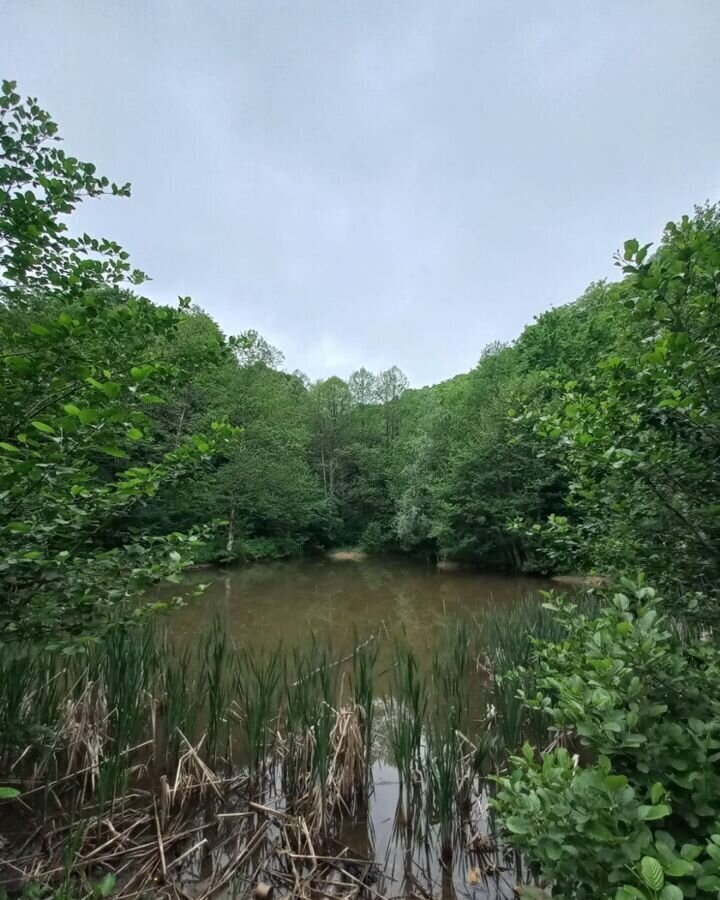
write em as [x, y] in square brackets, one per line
[161, 846]
[176, 862]
[270, 811]
[338, 662]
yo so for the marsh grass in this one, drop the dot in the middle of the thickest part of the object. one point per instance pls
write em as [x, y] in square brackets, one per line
[179, 700]
[443, 764]
[132, 716]
[405, 710]
[257, 679]
[364, 664]
[215, 671]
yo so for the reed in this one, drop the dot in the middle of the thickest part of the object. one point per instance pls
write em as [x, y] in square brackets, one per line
[443, 763]
[180, 706]
[450, 674]
[257, 677]
[405, 710]
[127, 667]
[364, 663]
[94, 718]
[216, 665]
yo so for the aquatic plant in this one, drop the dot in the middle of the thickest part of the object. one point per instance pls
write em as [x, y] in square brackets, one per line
[180, 701]
[364, 662]
[442, 761]
[405, 710]
[257, 676]
[216, 666]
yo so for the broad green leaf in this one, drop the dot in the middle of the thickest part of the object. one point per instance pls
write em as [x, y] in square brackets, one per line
[114, 451]
[652, 873]
[651, 813]
[517, 825]
[631, 247]
[88, 416]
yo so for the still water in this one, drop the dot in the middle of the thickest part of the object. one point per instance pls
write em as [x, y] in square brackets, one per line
[291, 600]
[342, 603]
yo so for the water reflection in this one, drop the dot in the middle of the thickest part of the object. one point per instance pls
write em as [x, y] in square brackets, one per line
[288, 601]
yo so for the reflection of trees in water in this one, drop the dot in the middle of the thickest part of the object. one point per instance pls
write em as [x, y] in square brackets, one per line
[289, 600]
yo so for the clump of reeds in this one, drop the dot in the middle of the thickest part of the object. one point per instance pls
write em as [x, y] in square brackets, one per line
[309, 690]
[405, 710]
[257, 677]
[364, 662]
[443, 762]
[215, 670]
[179, 705]
[131, 720]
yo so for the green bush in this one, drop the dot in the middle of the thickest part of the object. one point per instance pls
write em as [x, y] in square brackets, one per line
[635, 812]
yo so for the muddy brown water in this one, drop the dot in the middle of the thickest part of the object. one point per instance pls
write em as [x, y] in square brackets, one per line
[291, 600]
[338, 601]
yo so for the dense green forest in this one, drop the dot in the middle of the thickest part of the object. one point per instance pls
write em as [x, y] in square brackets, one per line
[590, 444]
[138, 439]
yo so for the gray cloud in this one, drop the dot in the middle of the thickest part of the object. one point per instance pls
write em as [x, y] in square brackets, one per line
[379, 183]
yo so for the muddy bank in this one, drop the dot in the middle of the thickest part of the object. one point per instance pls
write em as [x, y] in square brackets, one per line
[347, 555]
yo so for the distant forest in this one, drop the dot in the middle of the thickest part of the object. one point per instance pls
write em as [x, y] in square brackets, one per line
[137, 438]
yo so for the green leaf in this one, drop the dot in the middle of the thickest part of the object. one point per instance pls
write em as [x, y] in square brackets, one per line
[671, 892]
[140, 372]
[114, 451]
[9, 447]
[651, 813]
[88, 416]
[20, 364]
[678, 868]
[135, 434]
[9, 793]
[517, 825]
[630, 247]
[652, 873]
[39, 329]
[111, 389]
[106, 886]
[44, 427]
[690, 851]
[630, 892]
[615, 782]
[657, 792]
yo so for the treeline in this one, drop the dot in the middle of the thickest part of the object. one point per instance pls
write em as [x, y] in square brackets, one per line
[588, 445]
[137, 438]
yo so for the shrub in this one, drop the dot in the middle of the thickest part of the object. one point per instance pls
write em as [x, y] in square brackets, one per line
[638, 699]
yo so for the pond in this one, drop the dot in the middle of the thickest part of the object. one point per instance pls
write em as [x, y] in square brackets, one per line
[327, 725]
[289, 601]
[341, 603]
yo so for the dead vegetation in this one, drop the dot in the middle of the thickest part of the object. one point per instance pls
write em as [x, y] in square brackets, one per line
[208, 776]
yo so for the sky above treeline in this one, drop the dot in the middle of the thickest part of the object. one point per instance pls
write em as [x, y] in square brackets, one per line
[379, 183]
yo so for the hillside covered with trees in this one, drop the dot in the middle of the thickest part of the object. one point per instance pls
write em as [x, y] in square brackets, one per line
[138, 437]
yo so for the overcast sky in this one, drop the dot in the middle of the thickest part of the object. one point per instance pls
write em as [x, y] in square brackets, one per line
[377, 183]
